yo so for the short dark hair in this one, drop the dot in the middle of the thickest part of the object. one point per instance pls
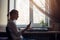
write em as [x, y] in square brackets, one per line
[14, 11]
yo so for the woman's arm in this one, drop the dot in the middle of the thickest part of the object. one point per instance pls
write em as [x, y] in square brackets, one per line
[28, 26]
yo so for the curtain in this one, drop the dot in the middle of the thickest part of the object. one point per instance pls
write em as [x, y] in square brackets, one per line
[53, 9]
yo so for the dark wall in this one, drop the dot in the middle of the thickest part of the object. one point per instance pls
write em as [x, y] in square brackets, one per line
[55, 9]
[55, 12]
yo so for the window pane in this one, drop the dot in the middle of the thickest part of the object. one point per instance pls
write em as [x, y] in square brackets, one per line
[38, 16]
[40, 3]
[23, 7]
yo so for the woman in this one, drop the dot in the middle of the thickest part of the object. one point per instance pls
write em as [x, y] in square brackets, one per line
[12, 29]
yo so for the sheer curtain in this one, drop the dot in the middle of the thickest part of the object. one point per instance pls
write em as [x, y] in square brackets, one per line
[51, 9]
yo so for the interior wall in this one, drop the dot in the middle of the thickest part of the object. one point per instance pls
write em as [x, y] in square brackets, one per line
[0, 9]
[55, 12]
[58, 9]
[3, 12]
[55, 9]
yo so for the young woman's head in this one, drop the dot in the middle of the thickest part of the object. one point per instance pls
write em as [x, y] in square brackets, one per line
[13, 14]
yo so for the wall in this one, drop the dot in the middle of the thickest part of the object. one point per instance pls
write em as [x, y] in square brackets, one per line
[3, 13]
[55, 12]
[55, 9]
[0, 9]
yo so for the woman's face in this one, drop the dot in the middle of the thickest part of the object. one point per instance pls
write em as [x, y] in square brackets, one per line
[14, 16]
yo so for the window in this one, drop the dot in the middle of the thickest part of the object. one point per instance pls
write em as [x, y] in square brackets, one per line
[3, 12]
[29, 12]
[38, 16]
[23, 7]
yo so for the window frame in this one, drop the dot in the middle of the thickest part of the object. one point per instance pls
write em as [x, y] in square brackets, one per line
[33, 25]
